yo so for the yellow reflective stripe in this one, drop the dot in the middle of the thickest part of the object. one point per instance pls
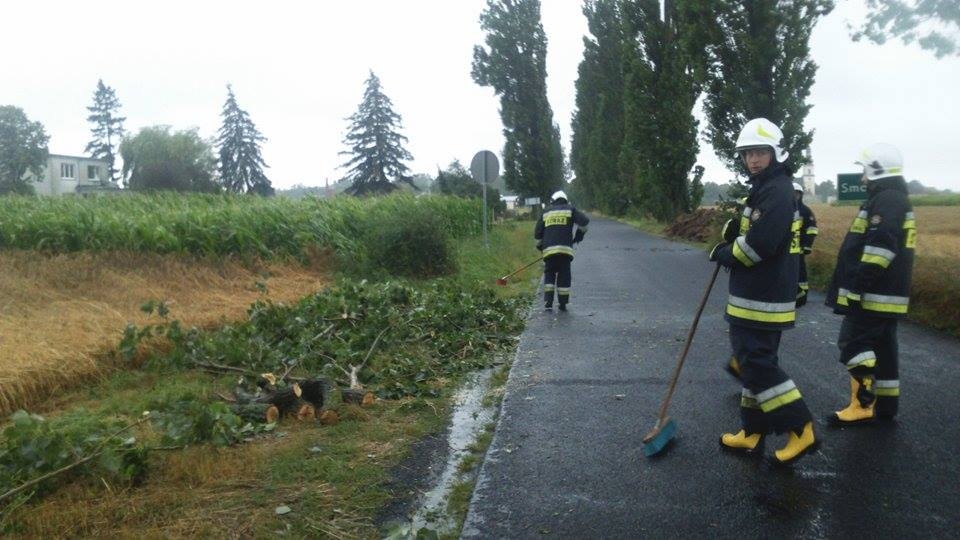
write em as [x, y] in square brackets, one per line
[563, 290]
[842, 301]
[744, 253]
[558, 250]
[884, 308]
[875, 259]
[557, 217]
[812, 231]
[761, 316]
[859, 223]
[888, 388]
[549, 287]
[780, 401]
[805, 285]
[795, 233]
[865, 359]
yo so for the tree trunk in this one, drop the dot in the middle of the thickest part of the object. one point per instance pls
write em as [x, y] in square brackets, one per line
[357, 396]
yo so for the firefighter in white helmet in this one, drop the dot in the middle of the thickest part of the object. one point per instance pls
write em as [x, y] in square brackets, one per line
[808, 233]
[762, 251]
[556, 237]
[871, 288]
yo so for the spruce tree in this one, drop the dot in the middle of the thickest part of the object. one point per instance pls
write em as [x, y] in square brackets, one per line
[760, 66]
[375, 144]
[598, 119]
[241, 164]
[513, 63]
[107, 128]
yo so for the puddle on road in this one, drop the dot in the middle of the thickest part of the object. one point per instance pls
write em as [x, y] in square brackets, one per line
[468, 420]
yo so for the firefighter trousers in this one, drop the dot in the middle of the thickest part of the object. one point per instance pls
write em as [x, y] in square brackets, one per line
[770, 401]
[556, 278]
[869, 350]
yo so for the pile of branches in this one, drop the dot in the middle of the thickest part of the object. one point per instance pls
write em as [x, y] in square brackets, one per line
[394, 337]
[699, 226]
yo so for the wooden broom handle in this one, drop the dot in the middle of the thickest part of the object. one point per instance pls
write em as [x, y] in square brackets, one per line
[686, 347]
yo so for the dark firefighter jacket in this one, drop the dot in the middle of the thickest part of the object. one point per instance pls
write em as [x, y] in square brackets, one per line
[808, 228]
[875, 262]
[555, 229]
[764, 259]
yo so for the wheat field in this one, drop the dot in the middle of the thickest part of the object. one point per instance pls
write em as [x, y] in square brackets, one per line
[935, 294]
[62, 315]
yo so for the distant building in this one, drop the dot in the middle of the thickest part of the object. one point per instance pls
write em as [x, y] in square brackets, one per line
[809, 181]
[71, 175]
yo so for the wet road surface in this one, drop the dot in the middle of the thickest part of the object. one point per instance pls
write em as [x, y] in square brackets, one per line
[586, 385]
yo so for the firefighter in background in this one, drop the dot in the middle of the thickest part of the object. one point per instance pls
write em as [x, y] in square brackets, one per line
[764, 271]
[808, 233]
[871, 287]
[556, 237]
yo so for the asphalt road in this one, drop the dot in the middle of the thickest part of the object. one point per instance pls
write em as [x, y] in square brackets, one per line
[585, 387]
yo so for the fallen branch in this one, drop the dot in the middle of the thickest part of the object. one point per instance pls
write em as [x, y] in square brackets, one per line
[99, 450]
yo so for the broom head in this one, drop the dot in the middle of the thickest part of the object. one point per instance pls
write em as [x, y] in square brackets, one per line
[659, 437]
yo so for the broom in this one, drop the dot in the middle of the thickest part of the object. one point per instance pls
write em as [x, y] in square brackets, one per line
[503, 280]
[662, 433]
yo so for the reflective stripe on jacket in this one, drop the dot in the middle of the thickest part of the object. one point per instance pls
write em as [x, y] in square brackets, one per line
[875, 263]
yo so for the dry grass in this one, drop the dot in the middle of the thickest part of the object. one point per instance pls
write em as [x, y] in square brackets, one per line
[936, 281]
[61, 314]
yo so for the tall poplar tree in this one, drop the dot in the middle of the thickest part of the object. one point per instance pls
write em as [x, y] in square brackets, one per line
[598, 119]
[513, 63]
[664, 75]
[238, 142]
[107, 128]
[760, 66]
[376, 146]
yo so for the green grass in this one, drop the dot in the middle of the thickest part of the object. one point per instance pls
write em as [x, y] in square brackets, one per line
[333, 478]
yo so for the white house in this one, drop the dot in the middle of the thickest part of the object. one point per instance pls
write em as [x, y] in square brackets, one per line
[69, 175]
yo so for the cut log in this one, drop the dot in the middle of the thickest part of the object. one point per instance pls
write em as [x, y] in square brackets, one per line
[306, 412]
[329, 417]
[251, 412]
[357, 396]
[273, 414]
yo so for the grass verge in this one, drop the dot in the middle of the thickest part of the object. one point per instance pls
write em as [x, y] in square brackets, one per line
[299, 479]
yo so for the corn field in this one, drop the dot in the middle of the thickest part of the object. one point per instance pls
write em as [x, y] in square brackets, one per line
[215, 225]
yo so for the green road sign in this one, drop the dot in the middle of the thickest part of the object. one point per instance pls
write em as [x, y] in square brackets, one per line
[849, 187]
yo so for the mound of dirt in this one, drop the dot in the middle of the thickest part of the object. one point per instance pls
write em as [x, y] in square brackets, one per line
[700, 225]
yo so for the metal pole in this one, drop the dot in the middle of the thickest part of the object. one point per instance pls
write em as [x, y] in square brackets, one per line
[485, 244]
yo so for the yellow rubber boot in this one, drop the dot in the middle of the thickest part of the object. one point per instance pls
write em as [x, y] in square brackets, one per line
[856, 413]
[741, 442]
[797, 445]
[733, 368]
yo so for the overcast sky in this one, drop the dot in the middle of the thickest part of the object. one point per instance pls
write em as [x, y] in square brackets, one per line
[298, 68]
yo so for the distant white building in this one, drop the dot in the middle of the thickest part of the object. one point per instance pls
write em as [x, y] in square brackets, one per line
[70, 175]
[808, 180]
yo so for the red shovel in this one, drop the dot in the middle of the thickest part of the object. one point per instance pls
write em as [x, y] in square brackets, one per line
[503, 280]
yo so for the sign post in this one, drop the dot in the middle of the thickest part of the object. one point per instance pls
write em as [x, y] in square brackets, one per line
[849, 187]
[484, 167]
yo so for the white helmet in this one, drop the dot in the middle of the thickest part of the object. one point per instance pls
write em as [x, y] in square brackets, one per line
[797, 187]
[881, 160]
[762, 132]
[559, 195]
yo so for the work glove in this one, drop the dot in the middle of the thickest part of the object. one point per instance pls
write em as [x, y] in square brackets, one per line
[719, 254]
[578, 237]
[730, 231]
[540, 245]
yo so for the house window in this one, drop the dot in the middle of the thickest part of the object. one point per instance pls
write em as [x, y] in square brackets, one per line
[67, 170]
[93, 172]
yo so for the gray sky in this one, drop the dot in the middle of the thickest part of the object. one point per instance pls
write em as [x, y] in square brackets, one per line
[298, 68]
